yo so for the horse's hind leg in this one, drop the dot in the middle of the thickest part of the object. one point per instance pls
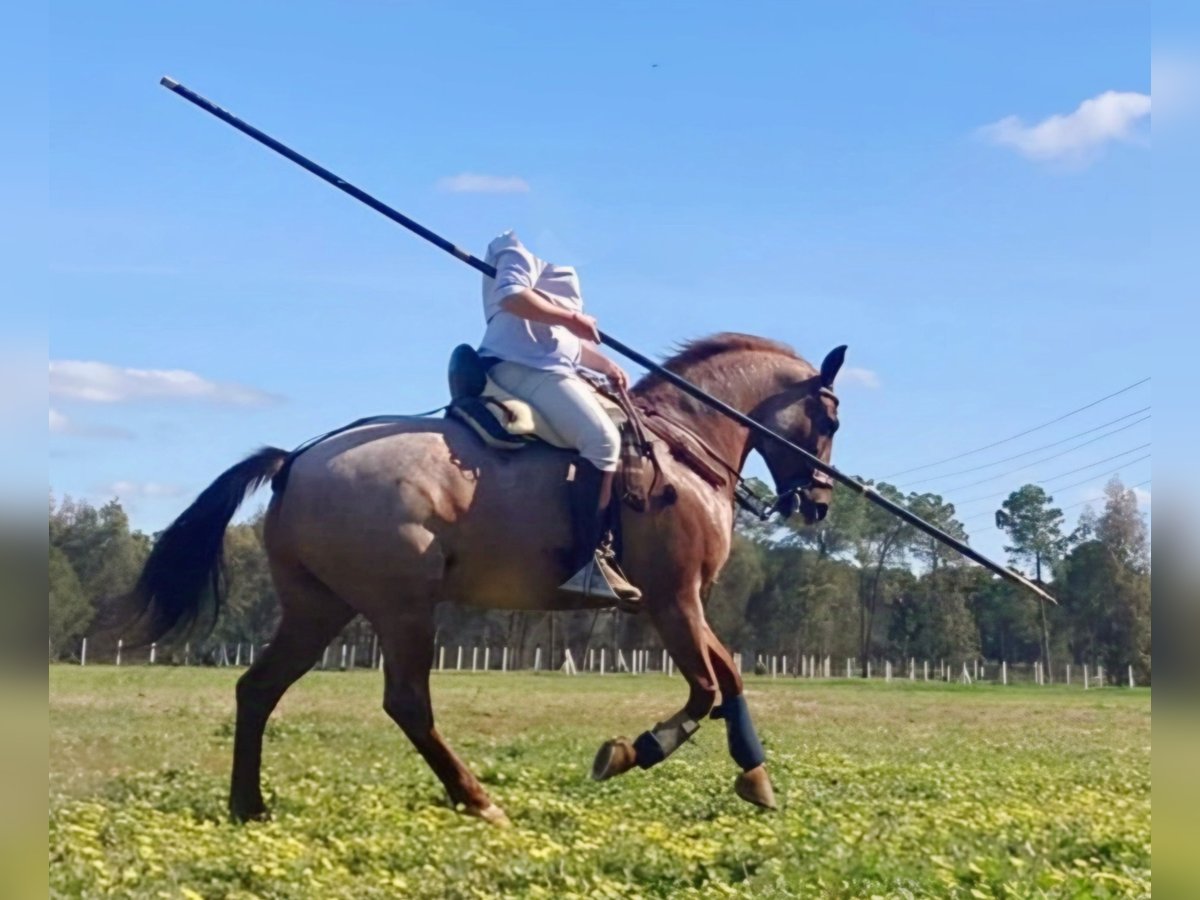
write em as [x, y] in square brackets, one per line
[311, 616]
[407, 642]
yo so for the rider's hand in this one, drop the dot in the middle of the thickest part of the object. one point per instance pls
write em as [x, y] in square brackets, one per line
[583, 327]
[617, 376]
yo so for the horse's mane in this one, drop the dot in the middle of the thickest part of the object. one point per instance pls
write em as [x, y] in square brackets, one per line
[696, 351]
[699, 350]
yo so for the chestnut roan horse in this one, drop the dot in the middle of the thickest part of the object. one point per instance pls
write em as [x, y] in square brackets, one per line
[389, 520]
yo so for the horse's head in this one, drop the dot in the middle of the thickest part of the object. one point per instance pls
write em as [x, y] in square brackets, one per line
[805, 412]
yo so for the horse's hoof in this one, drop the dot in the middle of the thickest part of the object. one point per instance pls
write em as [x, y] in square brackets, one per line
[755, 787]
[493, 815]
[239, 815]
[614, 758]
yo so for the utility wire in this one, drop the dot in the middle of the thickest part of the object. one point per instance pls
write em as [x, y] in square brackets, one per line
[1081, 502]
[1038, 462]
[1080, 409]
[1067, 487]
[1093, 499]
[1027, 452]
[1063, 474]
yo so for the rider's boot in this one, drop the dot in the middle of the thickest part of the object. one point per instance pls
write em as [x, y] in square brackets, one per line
[598, 580]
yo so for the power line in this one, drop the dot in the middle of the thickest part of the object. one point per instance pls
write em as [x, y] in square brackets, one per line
[1080, 409]
[1081, 502]
[1038, 462]
[1027, 452]
[1065, 474]
[1065, 487]
[1093, 499]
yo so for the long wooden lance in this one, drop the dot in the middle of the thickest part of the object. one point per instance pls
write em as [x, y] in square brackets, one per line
[625, 350]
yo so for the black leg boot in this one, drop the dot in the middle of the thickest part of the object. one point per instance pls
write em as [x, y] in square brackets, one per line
[597, 579]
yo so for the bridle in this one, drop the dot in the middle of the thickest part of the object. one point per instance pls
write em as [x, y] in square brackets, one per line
[788, 495]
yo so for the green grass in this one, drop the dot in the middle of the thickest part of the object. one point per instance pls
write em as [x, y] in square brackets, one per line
[891, 790]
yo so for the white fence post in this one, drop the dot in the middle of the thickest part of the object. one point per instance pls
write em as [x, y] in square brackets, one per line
[664, 661]
[1085, 677]
[458, 660]
[83, 653]
[537, 658]
[325, 659]
[1131, 676]
[620, 665]
[847, 667]
[120, 646]
[504, 658]
[868, 669]
[1100, 675]
[353, 655]
[345, 656]
[237, 655]
[474, 658]
[153, 653]
[603, 654]
[487, 659]
[1004, 672]
[568, 665]
[1068, 673]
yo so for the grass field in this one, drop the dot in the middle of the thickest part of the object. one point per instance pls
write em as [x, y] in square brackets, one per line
[890, 790]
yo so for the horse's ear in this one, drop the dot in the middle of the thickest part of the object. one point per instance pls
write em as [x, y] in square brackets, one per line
[831, 366]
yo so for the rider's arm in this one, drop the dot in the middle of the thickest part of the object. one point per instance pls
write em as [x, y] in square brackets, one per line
[528, 305]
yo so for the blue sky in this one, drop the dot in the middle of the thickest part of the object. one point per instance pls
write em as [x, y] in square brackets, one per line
[842, 174]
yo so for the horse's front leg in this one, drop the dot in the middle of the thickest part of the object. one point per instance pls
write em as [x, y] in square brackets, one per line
[753, 784]
[684, 633]
[707, 667]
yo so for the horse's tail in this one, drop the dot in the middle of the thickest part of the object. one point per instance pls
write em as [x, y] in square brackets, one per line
[183, 579]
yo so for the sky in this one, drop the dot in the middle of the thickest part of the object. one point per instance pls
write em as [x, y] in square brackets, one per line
[959, 192]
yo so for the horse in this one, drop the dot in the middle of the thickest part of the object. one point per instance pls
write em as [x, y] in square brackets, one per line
[388, 520]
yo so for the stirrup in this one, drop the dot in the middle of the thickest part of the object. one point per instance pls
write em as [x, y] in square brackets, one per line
[590, 582]
[593, 582]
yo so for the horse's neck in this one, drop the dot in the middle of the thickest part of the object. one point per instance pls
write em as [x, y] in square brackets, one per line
[742, 380]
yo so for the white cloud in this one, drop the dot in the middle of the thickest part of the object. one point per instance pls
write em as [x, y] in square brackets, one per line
[471, 183]
[867, 378]
[126, 490]
[62, 425]
[97, 382]
[1075, 136]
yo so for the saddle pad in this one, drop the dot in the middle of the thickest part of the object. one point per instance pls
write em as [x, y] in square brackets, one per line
[509, 423]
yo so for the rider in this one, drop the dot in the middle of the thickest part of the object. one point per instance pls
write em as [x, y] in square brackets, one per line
[541, 338]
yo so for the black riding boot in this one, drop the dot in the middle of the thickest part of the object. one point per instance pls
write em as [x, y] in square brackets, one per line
[597, 576]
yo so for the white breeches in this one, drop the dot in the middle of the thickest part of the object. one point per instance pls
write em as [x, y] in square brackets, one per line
[571, 408]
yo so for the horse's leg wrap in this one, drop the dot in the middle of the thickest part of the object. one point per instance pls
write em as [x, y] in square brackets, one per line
[744, 745]
[663, 739]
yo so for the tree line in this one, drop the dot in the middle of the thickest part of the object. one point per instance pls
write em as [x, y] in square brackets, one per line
[859, 584]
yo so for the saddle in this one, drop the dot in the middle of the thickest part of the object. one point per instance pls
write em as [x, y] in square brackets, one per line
[505, 422]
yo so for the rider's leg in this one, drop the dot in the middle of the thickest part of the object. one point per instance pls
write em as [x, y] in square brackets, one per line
[572, 410]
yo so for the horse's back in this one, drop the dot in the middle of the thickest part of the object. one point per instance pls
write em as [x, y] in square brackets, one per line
[400, 500]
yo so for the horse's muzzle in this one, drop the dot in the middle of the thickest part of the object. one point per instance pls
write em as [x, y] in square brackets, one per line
[811, 502]
[813, 510]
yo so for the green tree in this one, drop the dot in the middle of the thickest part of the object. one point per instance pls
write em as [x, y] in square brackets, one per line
[70, 611]
[1034, 527]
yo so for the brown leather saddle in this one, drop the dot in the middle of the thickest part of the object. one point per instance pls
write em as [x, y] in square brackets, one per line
[505, 422]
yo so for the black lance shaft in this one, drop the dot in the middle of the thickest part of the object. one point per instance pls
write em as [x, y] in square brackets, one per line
[624, 349]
